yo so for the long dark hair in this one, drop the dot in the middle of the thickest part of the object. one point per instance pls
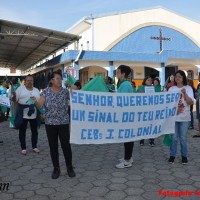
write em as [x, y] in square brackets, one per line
[182, 73]
[125, 69]
[144, 80]
[156, 79]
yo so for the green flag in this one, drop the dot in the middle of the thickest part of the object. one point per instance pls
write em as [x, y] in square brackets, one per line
[70, 80]
[167, 140]
[97, 84]
[19, 81]
[32, 102]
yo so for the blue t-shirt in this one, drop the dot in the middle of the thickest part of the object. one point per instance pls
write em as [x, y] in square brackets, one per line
[125, 87]
[56, 106]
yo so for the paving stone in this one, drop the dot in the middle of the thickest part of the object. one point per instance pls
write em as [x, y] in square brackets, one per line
[168, 184]
[151, 187]
[151, 175]
[20, 182]
[90, 173]
[117, 186]
[79, 194]
[166, 177]
[103, 176]
[101, 182]
[66, 182]
[195, 178]
[98, 191]
[32, 186]
[95, 198]
[24, 168]
[151, 195]
[134, 191]
[181, 175]
[77, 198]
[183, 181]
[163, 171]
[134, 183]
[96, 176]
[118, 180]
[134, 198]
[187, 187]
[135, 177]
[14, 189]
[83, 187]
[87, 179]
[119, 174]
[115, 195]
[59, 196]
[38, 197]
[45, 191]
[6, 196]
[24, 194]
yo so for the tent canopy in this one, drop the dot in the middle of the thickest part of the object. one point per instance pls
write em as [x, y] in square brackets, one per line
[22, 46]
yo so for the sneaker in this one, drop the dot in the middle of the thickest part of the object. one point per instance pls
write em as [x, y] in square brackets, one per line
[36, 150]
[70, 171]
[122, 159]
[191, 127]
[124, 164]
[23, 152]
[55, 173]
[141, 142]
[171, 159]
[184, 160]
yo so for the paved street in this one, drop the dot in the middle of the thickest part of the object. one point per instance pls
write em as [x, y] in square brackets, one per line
[96, 176]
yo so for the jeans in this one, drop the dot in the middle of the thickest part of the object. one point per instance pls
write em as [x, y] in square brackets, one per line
[62, 132]
[22, 133]
[181, 129]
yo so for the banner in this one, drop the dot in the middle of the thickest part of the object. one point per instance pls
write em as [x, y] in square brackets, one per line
[102, 117]
[4, 101]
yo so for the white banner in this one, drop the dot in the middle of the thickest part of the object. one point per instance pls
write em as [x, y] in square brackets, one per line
[102, 117]
[4, 101]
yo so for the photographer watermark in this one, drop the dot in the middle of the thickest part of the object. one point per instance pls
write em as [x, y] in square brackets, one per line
[4, 186]
[172, 193]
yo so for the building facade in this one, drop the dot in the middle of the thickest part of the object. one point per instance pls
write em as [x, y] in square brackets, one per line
[153, 42]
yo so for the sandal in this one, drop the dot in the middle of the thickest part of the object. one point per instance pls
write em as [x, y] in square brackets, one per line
[23, 152]
[36, 150]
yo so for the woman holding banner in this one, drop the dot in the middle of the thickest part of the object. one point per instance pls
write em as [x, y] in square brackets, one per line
[146, 82]
[183, 116]
[55, 101]
[124, 86]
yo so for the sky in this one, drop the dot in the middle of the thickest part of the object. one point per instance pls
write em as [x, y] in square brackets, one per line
[60, 15]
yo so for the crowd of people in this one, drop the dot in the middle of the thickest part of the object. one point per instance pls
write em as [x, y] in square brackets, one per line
[27, 102]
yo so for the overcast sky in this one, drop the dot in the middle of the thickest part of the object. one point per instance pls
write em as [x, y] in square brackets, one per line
[62, 14]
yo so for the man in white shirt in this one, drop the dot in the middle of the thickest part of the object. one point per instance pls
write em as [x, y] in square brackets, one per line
[28, 112]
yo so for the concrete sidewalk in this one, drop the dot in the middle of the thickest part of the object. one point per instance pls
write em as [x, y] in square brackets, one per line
[96, 176]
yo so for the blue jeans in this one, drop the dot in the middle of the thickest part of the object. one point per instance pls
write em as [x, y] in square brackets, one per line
[181, 129]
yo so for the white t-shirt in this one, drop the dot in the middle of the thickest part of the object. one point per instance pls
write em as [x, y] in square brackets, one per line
[23, 95]
[183, 107]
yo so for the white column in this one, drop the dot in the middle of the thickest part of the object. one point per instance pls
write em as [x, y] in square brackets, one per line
[162, 74]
